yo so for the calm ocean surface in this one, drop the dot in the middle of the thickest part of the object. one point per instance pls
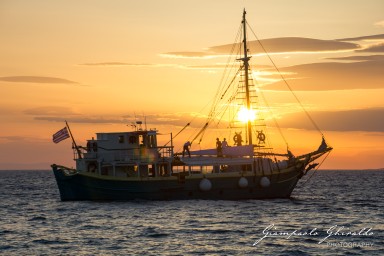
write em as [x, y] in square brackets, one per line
[33, 221]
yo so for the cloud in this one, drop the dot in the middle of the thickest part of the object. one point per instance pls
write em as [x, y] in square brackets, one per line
[361, 38]
[36, 79]
[188, 54]
[272, 45]
[379, 24]
[369, 120]
[86, 120]
[290, 44]
[222, 66]
[333, 76]
[116, 64]
[61, 115]
[373, 48]
[125, 64]
[210, 66]
[12, 138]
[359, 58]
[50, 110]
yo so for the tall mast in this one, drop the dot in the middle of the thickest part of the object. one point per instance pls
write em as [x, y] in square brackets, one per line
[246, 67]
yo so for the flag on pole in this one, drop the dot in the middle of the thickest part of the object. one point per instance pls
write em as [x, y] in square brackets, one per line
[60, 135]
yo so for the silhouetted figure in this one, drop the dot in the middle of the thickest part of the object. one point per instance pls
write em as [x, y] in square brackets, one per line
[186, 148]
[219, 147]
[224, 143]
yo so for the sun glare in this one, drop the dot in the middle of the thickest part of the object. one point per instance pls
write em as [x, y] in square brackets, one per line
[245, 115]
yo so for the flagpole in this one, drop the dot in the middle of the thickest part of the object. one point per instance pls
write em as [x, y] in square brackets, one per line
[73, 140]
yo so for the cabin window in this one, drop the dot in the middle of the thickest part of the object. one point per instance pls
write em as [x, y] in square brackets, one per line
[132, 139]
[102, 136]
[121, 138]
[152, 141]
[142, 140]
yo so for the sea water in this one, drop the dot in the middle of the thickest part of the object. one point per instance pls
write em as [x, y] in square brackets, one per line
[333, 213]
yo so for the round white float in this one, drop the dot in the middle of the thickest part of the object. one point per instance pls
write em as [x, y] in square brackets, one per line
[205, 184]
[243, 182]
[265, 182]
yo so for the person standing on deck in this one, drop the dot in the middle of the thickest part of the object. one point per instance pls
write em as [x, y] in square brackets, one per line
[219, 147]
[186, 148]
[224, 143]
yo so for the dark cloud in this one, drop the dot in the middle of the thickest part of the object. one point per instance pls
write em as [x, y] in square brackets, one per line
[333, 76]
[87, 120]
[36, 79]
[274, 45]
[290, 44]
[368, 120]
[152, 120]
[360, 38]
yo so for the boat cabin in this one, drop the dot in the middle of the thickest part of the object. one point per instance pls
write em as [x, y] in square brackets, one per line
[122, 146]
[123, 153]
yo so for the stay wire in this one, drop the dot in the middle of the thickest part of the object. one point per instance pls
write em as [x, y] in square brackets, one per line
[286, 83]
[225, 75]
[212, 114]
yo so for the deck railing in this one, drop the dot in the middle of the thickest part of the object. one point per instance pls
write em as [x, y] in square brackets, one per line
[138, 154]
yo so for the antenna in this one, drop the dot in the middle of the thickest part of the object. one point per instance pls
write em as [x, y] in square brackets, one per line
[139, 123]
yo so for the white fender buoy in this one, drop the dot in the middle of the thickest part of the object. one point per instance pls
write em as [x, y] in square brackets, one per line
[205, 184]
[243, 182]
[265, 182]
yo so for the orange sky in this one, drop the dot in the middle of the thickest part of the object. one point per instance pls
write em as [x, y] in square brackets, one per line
[99, 63]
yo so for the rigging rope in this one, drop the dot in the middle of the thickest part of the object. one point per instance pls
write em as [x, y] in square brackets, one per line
[178, 133]
[317, 168]
[222, 90]
[200, 132]
[274, 119]
[225, 75]
[233, 79]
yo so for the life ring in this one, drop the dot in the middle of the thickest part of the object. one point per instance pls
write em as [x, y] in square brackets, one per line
[261, 137]
[235, 138]
[238, 139]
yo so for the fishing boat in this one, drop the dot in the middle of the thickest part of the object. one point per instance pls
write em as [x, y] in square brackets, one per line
[131, 165]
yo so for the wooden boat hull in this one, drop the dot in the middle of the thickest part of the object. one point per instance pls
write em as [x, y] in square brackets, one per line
[87, 186]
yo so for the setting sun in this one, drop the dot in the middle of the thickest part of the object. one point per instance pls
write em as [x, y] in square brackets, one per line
[245, 115]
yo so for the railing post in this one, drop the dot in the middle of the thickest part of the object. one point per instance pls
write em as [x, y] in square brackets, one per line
[171, 146]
